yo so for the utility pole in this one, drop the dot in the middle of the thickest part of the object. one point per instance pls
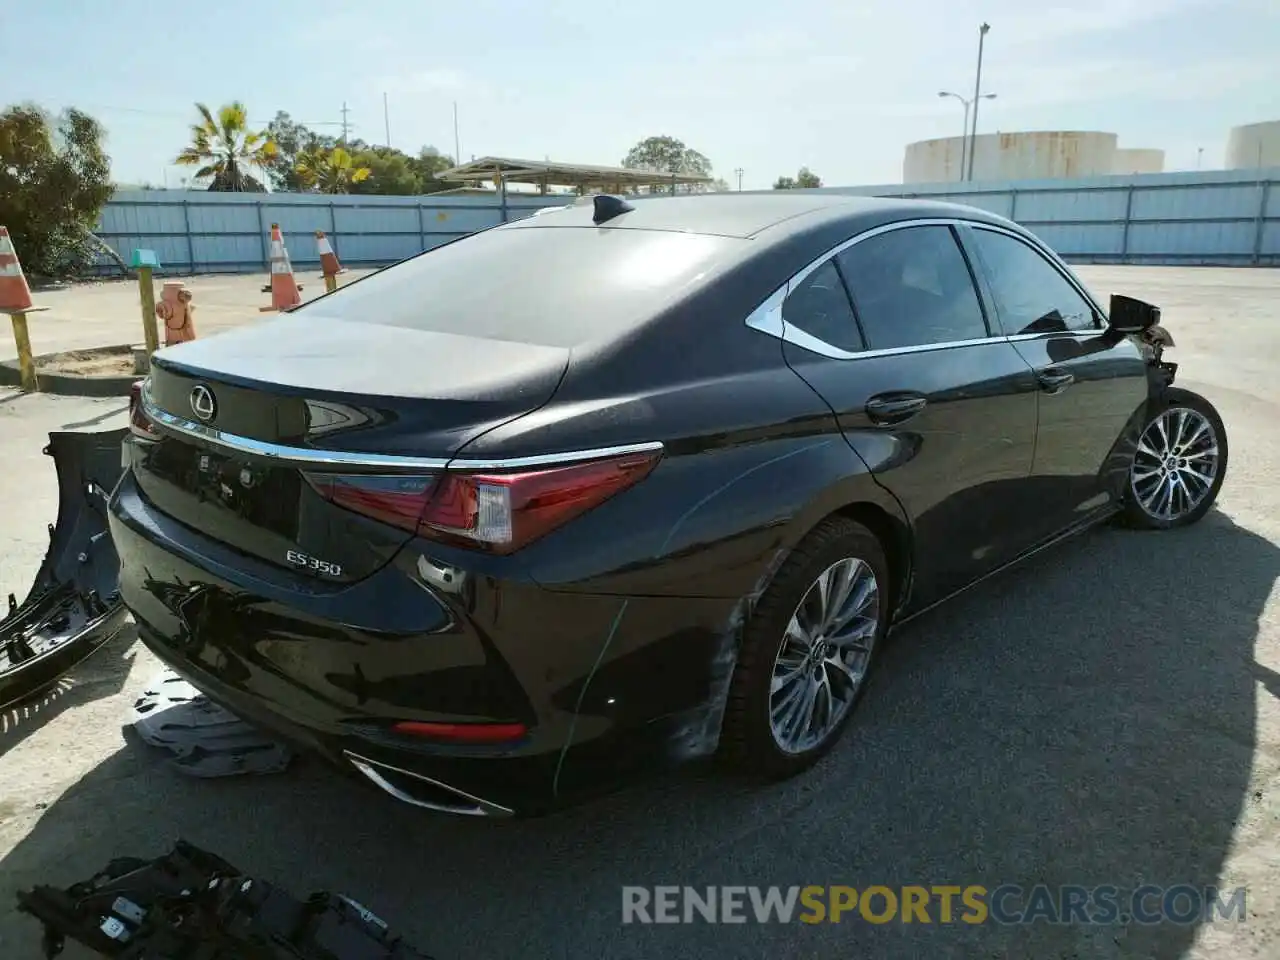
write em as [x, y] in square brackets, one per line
[457, 144]
[977, 92]
[386, 120]
[344, 123]
[739, 171]
[964, 131]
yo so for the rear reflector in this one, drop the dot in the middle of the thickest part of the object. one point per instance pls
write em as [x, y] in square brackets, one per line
[463, 732]
[139, 424]
[497, 512]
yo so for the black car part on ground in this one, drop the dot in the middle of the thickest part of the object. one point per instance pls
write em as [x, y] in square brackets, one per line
[192, 905]
[74, 606]
[204, 740]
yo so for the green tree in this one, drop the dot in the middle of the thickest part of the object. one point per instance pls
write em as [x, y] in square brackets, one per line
[55, 178]
[330, 171]
[391, 172]
[430, 162]
[806, 179]
[224, 148]
[669, 155]
[291, 140]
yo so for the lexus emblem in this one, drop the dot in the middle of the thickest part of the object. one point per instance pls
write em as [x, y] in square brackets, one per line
[202, 402]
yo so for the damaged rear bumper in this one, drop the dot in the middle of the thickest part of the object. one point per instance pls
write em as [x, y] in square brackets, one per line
[605, 688]
[74, 605]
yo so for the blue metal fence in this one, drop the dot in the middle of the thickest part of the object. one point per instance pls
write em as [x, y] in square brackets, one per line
[201, 232]
[1218, 217]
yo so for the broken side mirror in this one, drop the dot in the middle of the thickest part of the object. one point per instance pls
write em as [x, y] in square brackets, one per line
[1128, 315]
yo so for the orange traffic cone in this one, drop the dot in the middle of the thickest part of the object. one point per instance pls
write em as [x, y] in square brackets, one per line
[15, 295]
[284, 289]
[329, 265]
[15, 300]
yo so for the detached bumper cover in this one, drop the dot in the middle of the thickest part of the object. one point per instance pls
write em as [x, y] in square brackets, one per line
[74, 606]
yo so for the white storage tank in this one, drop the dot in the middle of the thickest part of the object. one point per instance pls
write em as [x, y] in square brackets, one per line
[1138, 160]
[1254, 145]
[1030, 155]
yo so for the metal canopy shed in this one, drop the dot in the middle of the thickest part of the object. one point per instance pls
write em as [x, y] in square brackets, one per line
[547, 173]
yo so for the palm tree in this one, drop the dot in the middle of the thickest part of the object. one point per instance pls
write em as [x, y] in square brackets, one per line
[330, 171]
[225, 149]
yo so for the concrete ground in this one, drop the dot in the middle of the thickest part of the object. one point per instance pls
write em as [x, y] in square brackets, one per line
[109, 312]
[1106, 714]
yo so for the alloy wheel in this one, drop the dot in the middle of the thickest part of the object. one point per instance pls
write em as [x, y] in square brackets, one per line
[824, 655]
[1176, 463]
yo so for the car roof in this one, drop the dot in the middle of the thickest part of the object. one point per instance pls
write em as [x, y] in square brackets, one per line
[746, 215]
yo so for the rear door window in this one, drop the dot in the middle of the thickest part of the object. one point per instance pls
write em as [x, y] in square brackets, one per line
[912, 287]
[1031, 294]
[819, 305]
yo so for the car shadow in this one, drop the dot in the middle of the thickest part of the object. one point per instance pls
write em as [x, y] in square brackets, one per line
[1086, 719]
[103, 674]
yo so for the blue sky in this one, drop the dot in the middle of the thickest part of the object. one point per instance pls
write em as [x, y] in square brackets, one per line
[766, 86]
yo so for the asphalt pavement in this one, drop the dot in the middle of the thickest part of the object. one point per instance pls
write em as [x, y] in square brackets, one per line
[1105, 714]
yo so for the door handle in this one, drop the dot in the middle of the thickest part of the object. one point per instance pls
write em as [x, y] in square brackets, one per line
[1054, 379]
[895, 408]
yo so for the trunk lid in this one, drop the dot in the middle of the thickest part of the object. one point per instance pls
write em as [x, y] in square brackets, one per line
[252, 418]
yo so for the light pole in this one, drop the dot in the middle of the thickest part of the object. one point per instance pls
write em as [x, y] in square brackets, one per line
[964, 133]
[977, 87]
[739, 171]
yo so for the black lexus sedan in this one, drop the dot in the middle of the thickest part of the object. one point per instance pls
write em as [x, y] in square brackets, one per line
[631, 482]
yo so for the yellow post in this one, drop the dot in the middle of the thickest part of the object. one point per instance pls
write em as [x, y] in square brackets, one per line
[330, 283]
[26, 362]
[22, 340]
[148, 292]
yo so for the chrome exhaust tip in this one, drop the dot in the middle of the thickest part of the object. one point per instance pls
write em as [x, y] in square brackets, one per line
[419, 791]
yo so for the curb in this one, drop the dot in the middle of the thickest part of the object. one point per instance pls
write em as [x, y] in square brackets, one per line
[68, 384]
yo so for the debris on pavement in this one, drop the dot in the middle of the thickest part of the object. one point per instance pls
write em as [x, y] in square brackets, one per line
[193, 905]
[205, 739]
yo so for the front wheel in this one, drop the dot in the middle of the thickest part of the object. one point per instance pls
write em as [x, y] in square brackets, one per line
[1179, 463]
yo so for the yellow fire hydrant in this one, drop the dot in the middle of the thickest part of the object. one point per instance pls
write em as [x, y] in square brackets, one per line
[178, 313]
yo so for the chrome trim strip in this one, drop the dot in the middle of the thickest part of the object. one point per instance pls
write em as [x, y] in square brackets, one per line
[475, 806]
[767, 317]
[305, 456]
[553, 459]
[1078, 334]
[275, 451]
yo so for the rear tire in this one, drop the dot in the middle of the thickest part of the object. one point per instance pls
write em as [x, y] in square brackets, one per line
[803, 663]
[1179, 463]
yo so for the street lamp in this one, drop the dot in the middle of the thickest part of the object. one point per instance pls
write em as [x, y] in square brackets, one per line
[977, 87]
[739, 171]
[964, 134]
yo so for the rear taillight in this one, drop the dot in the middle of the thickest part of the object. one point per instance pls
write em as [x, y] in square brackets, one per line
[139, 423]
[497, 512]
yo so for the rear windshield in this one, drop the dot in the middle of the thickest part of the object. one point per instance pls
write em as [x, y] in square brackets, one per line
[551, 286]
